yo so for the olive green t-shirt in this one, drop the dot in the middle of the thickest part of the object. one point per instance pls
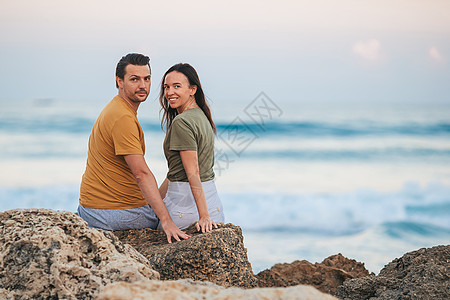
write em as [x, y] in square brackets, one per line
[190, 130]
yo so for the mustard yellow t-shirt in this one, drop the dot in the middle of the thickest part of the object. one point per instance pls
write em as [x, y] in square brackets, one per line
[108, 182]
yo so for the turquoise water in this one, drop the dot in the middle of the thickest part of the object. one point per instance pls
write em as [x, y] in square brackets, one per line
[368, 183]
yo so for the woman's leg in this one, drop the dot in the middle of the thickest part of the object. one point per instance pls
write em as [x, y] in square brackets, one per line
[181, 205]
[213, 201]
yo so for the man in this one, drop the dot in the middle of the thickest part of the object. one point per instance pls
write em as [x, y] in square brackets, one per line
[118, 191]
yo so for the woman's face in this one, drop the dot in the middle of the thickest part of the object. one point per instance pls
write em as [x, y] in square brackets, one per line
[178, 91]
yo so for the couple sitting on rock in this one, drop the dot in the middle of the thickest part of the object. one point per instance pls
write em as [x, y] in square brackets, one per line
[118, 191]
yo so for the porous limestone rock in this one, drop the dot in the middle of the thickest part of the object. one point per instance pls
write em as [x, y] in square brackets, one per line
[421, 274]
[217, 256]
[188, 289]
[325, 276]
[50, 254]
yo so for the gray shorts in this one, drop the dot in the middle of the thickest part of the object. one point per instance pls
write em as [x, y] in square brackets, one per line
[119, 219]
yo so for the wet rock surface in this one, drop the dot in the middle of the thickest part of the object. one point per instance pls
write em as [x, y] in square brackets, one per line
[421, 274]
[325, 276]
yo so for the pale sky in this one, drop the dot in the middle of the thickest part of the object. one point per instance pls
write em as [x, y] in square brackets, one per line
[374, 51]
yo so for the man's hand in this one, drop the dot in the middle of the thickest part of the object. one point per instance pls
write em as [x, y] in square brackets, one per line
[171, 230]
[205, 224]
[147, 183]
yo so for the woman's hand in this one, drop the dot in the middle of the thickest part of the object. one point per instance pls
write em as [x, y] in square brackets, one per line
[205, 224]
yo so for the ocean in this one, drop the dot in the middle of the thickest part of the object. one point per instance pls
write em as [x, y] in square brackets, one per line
[302, 180]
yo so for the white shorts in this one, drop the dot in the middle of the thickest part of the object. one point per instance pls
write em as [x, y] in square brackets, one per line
[182, 207]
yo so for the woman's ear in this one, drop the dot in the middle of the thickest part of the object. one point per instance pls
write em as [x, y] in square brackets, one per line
[193, 89]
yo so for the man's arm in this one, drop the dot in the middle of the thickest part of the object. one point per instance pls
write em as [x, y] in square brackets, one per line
[147, 183]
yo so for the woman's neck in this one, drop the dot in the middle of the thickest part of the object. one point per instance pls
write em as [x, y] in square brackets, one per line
[189, 106]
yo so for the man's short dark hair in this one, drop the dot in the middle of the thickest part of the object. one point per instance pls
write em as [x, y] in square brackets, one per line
[131, 59]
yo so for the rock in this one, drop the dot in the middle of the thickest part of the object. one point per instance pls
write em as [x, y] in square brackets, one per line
[217, 256]
[5, 294]
[54, 254]
[325, 276]
[188, 289]
[351, 266]
[421, 274]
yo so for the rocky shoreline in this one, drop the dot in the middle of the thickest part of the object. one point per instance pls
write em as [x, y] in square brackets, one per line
[46, 254]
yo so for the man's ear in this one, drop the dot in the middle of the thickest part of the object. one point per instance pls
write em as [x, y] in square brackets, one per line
[119, 82]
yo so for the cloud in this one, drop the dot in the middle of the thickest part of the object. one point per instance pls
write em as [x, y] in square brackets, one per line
[436, 55]
[370, 50]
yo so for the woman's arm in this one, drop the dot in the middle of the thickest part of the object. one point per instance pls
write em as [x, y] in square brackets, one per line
[190, 164]
[163, 188]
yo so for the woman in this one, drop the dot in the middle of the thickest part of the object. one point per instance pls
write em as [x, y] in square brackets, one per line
[189, 191]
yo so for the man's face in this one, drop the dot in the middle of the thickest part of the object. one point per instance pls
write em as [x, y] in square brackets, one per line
[135, 85]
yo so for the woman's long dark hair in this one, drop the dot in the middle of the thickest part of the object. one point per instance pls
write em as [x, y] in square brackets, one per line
[170, 113]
